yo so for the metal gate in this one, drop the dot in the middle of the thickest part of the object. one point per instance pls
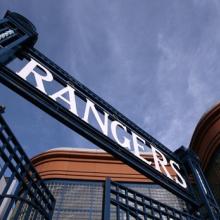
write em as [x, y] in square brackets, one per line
[130, 205]
[23, 194]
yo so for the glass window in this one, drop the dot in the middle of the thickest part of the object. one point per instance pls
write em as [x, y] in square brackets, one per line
[77, 199]
[83, 199]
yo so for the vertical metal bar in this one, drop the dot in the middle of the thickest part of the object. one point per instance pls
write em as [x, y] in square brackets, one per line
[107, 200]
[6, 188]
[207, 199]
[20, 205]
[135, 204]
[126, 202]
[204, 190]
[210, 194]
[12, 201]
[28, 212]
[144, 208]
[159, 210]
[152, 208]
[36, 215]
[117, 201]
[166, 211]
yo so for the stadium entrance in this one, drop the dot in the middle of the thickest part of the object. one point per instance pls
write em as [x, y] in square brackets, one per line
[56, 92]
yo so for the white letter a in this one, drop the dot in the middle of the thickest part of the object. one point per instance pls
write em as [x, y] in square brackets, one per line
[72, 99]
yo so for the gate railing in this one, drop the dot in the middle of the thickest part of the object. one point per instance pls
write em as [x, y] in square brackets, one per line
[131, 205]
[23, 195]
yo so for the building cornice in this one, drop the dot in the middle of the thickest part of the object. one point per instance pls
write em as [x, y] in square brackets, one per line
[86, 165]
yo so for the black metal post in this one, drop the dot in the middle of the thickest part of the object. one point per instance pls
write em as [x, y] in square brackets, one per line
[207, 199]
[2, 109]
[106, 200]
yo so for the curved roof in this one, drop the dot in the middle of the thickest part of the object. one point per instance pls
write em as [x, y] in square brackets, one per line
[76, 149]
[206, 137]
[82, 149]
[85, 164]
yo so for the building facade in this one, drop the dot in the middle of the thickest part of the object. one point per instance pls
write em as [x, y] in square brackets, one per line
[76, 178]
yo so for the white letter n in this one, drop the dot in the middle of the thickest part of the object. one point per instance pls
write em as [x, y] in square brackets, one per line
[103, 125]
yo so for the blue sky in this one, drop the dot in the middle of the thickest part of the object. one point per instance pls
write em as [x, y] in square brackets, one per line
[155, 61]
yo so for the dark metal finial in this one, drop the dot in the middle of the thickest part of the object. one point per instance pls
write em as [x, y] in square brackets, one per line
[2, 109]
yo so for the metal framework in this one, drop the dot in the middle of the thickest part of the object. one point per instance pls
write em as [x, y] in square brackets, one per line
[25, 89]
[208, 203]
[131, 205]
[17, 37]
[24, 194]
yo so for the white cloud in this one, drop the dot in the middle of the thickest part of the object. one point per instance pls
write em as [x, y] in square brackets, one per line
[187, 78]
